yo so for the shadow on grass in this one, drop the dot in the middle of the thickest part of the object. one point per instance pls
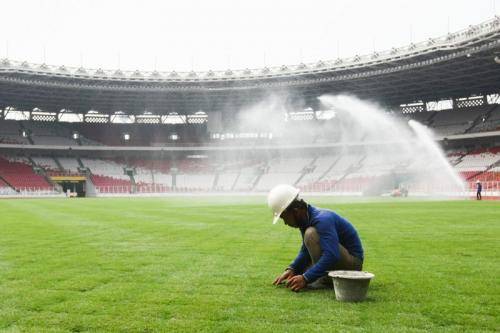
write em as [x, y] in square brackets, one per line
[326, 292]
[330, 292]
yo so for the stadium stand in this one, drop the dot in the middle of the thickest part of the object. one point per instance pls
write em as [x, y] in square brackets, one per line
[347, 173]
[69, 164]
[105, 168]
[454, 121]
[47, 163]
[107, 176]
[317, 169]
[124, 136]
[282, 171]
[10, 132]
[19, 175]
[42, 133]
[490, 121]
[106, 184]
[477, 161]
[143, 176]
[422, 117]
[226, 181]
[5, 189]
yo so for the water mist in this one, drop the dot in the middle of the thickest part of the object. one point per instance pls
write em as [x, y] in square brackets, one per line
[405, 148]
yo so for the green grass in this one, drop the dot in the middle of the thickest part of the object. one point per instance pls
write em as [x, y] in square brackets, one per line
[207, 264]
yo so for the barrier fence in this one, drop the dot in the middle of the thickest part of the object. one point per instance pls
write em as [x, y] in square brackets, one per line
[489, 188]
[30, 191]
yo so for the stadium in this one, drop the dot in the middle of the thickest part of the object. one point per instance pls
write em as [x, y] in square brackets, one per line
[187, 155]
[149, 132]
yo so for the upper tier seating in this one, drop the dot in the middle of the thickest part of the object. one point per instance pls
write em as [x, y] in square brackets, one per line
[10, 133]
[421, 117]
[492, 123]
[47, 133]
[451, 122]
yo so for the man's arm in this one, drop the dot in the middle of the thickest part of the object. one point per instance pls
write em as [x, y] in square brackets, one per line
[301, 261]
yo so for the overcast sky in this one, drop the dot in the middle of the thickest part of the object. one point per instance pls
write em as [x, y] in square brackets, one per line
[221, 34]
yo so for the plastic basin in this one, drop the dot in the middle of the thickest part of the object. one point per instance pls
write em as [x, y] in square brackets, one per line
[351, 286]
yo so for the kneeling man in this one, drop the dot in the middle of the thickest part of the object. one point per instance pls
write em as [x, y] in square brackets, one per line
[329, 242]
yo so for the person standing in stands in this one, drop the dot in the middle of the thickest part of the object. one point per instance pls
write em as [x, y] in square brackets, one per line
[479, 187]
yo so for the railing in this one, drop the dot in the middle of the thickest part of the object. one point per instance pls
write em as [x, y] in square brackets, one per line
[153, 188]
[146, 189]
[30, 191]
[490, 188]
[65, 173]
[114, 189]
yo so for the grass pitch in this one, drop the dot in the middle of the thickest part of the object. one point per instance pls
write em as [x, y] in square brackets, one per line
[207, 264]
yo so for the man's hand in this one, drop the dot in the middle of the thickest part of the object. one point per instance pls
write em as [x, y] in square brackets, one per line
[288, 273]
[296, 283]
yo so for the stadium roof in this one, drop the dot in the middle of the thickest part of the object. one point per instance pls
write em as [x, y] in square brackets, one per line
[456, 65]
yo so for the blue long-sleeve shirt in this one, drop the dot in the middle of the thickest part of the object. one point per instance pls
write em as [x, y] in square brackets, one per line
[333, 230]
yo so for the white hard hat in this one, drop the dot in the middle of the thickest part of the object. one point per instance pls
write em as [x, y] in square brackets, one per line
[280, 197]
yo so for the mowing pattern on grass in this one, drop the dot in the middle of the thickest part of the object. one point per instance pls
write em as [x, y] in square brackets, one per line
[149, 265]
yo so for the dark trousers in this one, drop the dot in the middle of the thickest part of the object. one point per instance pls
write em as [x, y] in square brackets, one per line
[478, 195]
[346, 262]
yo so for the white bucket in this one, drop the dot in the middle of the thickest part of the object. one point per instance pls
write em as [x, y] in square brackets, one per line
[350, 286]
